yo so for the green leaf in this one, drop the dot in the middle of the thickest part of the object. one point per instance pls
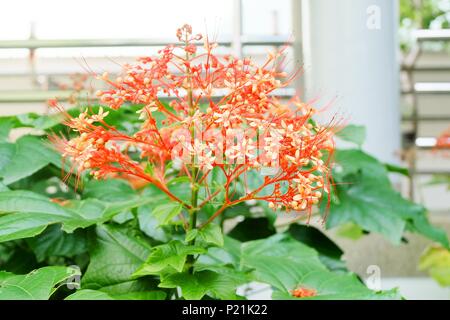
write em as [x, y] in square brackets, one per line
[353, 133]
[279, 260]
[150, 225]
[55, 242]
[212, 234]
[6, 124]
[436, 260]
[287, 264]
[108, 190]
[420, 224]
[378, 208]
[88, 294]
[34, 120]
[164, 213]
[177, 180]
[115, 255]
[112, 190]
[333, 286]
[329, 253]
[29, 120]
[397, 169]
[372, 207]
[366, 197]
[352, 161]
[195, 286]
[314, 238]
[39, 284]
[29, 213]
[181, 187]
[169, 257]
[144, 284]
[144, 295]
[191, 235]
[7, 151]
[30, 155]
[229, 254]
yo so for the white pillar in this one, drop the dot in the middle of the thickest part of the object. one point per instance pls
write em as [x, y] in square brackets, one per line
[350, 51]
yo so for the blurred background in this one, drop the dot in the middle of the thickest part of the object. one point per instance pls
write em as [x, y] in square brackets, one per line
[383, 64]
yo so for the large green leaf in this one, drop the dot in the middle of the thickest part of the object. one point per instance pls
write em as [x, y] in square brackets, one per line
[286, 265]
[366, 197]
[380, 209]
[332, 286]
[30, 155]
[39, 284]
[28, 214]
[169, 257]
[115, 255]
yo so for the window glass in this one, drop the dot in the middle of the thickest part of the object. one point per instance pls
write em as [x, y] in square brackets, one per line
[266, 17]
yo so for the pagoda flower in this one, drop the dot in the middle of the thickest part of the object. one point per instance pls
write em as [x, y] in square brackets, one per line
[247, 129]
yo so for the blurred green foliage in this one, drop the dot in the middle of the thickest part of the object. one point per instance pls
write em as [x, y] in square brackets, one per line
[422, 14]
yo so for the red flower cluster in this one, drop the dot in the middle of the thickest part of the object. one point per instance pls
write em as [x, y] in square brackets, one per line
[303, 293]
[443, 141]
[223, 114]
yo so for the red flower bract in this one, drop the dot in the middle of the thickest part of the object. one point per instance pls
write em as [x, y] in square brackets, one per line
[223, 115]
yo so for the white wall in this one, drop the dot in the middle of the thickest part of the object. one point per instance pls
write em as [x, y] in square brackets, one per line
[348, 56]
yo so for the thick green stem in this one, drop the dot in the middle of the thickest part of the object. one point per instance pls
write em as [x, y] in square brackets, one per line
[191, 258]
[194, 200]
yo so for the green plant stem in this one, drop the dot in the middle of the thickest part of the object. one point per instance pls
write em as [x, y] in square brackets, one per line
[194, 188]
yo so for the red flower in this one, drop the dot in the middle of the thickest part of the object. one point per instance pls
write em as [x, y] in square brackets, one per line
[303, 292]
[248, 129]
